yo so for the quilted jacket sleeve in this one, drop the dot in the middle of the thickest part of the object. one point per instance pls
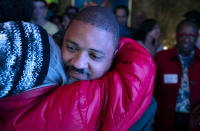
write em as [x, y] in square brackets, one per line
[114, 102]
[130, 86]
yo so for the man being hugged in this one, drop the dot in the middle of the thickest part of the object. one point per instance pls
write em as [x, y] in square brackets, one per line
[99, 97]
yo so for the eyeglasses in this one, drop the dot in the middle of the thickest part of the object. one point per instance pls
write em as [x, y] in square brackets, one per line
[183, 36]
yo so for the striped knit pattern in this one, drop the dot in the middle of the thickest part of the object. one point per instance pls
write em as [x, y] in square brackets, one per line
[24, 56]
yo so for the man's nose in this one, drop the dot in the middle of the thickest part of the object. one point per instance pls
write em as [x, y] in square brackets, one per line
[187, 39]
[80, 61]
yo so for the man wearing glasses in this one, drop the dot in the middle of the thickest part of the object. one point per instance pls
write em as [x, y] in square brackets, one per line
[177, 83]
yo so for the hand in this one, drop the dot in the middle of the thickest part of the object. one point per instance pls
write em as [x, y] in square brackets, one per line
[154, 34]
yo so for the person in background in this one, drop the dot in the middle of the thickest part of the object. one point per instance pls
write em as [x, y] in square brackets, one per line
[194, 15]
[122, 13]
[177, 84]
[146, 121]
[39, 13]
[52, 10]
[148, 35]
[57, 20]
[68, 15]
[71, 11]
[66, 18]
[59, 36]
[139, 18]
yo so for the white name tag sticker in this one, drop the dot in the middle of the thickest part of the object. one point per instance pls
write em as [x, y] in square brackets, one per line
[170, 78]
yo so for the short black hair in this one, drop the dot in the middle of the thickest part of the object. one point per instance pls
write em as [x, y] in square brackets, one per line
[16, 10]
[146, 27]
[194, 23]
[102, 18]
[71, 11]
[193, 15]
[125, 8]
[53, 6]
[69, 8]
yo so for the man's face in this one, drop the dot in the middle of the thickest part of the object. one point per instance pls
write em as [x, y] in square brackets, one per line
[87, 51]
[156, 29]
[155, 32]
[39, 9]
[66, 21]
[122, 16]
[186, 38]
[139, 18]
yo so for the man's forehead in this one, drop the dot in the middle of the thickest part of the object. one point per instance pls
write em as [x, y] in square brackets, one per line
[121, 11]
[89, 36]
[87, 25]
[79, 27]
[188, 26]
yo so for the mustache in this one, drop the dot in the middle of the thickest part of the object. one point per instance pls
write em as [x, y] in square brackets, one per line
[81, 71]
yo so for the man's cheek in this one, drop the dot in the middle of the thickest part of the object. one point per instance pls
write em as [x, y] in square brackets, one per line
[66, 56]
[99, 70]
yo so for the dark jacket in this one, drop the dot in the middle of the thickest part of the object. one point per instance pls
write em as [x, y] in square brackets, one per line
[166, 93]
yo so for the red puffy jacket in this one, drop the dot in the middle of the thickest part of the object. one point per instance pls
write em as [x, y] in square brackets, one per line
[114, 102]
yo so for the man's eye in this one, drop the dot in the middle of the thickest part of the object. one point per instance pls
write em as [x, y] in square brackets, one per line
[71, 48]
[96, 57]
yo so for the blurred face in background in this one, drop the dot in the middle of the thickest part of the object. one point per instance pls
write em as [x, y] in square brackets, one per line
[186, 38]
[139, 18]
[156, 28]
[87, 51]
[155, 32]
[40, 10]
[121, 16]
[65, 21]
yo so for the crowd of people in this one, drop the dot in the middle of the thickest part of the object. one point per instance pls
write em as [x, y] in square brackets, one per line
[88, 70]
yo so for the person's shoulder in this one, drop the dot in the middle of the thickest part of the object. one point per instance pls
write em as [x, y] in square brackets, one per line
[51, 28]
[51, 25]
[162, 53]
[134, 45]
[165, 56]
[131, 50]
[167, 53]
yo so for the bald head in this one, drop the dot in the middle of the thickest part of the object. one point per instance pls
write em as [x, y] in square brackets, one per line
[102, 18]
